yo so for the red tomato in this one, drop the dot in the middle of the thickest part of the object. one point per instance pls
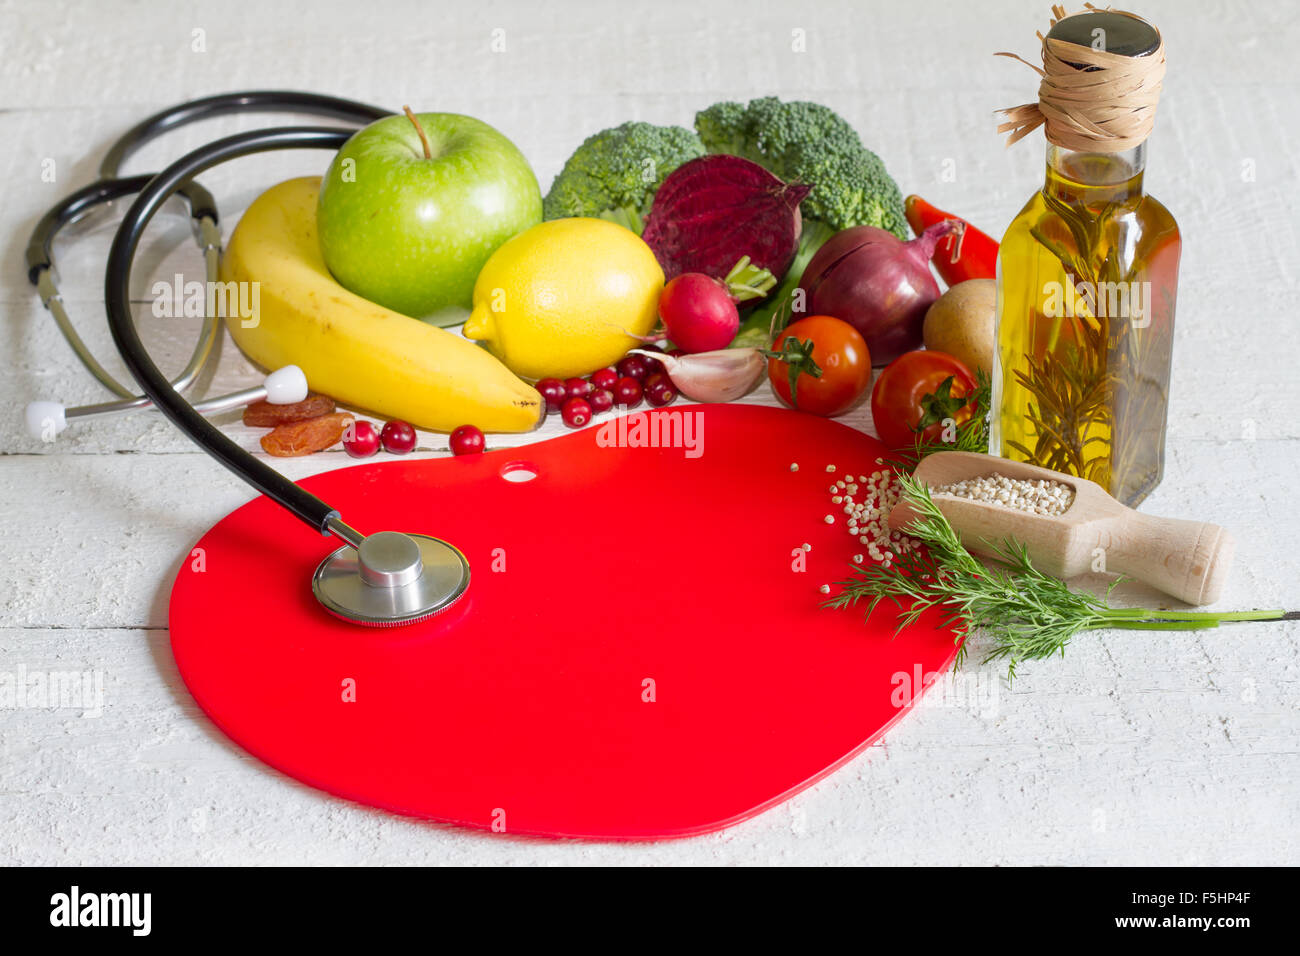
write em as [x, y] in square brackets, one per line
[916, 393]
[838, 353]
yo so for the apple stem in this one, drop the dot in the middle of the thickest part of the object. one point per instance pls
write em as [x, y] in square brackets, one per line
[428, 153]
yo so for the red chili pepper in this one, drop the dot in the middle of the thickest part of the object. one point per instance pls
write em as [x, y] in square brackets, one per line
[978, 254]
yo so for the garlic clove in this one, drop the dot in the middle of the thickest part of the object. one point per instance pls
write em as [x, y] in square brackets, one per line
[723, 375]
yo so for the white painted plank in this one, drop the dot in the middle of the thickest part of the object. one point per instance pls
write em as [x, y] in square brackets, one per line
[1092, 766]
[1135, 748]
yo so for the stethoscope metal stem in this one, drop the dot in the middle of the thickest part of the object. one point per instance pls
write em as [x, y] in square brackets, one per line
[336, 526]
[208, 406]
[73, 208]
[210, 238]
[52, 299]
[112, 186]
[284, 386]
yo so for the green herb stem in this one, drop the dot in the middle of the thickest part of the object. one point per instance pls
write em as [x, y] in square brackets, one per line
[1129, 625]
[1028, 614]
[1215, 616]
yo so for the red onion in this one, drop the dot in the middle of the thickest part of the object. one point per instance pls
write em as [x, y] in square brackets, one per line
[877, 283]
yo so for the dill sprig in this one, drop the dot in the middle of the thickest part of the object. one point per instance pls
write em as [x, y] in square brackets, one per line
[1028, 615]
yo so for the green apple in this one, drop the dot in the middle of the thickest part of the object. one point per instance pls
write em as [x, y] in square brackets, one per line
[410, 227]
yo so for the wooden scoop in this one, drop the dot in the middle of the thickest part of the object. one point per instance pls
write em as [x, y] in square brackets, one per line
[1187, 559]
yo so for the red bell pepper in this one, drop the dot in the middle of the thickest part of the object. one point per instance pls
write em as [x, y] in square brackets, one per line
[978, 258]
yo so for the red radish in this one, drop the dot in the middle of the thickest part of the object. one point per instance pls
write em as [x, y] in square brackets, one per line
[713, 210]
[877, 283]
[467, 440]
[698, 313]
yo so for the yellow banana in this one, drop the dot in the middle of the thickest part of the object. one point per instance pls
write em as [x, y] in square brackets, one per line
[350, 348]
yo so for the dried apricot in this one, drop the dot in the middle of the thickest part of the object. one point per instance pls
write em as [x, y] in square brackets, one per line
[305, 438]
[265, 415]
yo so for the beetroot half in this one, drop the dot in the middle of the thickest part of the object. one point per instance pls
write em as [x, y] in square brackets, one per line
[877, 283]
[714, 210]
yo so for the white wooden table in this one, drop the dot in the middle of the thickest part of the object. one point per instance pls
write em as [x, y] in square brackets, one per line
[1134, 748]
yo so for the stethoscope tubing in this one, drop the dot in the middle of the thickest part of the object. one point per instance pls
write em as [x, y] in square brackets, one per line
[306, 506]
[40, 265]
[40, 252]
[112, 186]
[223, 104]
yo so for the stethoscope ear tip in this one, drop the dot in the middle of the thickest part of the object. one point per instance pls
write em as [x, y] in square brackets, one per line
[45, 419]
[286, 386]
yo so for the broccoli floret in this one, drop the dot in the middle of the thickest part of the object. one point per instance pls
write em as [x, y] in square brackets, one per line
[809, 143]
[615, 173]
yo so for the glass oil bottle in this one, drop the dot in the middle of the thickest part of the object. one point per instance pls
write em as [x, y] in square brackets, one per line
[1087, 277]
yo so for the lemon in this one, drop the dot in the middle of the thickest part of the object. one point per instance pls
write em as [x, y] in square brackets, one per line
[561, 298]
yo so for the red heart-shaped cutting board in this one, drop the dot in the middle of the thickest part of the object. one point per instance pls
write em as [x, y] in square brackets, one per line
[641, 652]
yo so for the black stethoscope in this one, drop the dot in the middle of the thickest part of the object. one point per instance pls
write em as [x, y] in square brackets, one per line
[384, 578]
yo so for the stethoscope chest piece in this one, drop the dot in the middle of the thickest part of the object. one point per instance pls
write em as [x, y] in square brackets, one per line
[391, 578]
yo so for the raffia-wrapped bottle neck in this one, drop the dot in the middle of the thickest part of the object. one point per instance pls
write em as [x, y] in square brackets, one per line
[1092, 98]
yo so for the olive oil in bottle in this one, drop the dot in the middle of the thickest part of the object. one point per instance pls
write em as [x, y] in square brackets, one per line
[1087, 277]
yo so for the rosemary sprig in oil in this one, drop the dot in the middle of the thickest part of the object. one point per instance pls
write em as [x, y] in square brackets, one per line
[1072, 385]
[1098, 401]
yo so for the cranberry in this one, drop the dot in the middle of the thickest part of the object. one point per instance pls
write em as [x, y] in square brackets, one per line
[627, 391]
[576, 412]
[603, 378]
[577, 387]
[360, 440]
[659, 390]
[467, 440]
[601, 400]
[652, 365]
[552, 389]
[398, 437]
[633, 366]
